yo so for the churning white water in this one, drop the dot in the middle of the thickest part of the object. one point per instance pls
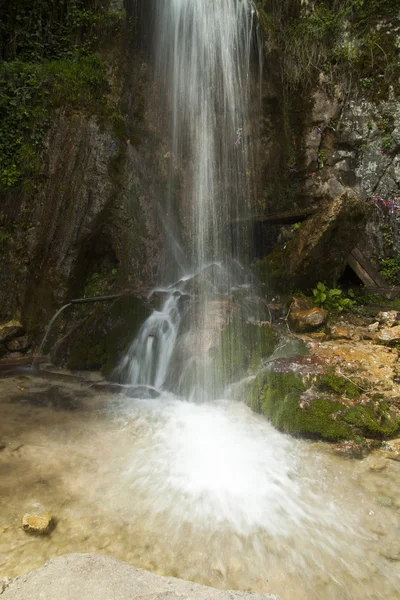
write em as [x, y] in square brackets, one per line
[218, 491]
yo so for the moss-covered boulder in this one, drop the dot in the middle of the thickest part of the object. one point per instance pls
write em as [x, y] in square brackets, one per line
[324, 406]
[242, 348]
[101, 341]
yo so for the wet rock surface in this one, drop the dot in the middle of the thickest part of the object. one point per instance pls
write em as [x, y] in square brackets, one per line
[88, 576]
[53, 397]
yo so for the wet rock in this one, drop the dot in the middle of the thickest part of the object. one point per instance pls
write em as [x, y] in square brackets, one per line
[324, 406]
[21, 344]
[390, 335]
[377, 464]
[143, 392]
[53, 397]
[108, 388]
[385, 501]
[350, 449]
[37, 524]
[303, 317]
[389, 319]
[373, 327]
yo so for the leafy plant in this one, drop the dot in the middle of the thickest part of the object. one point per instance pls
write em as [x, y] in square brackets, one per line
[331, 298]
[390, 269]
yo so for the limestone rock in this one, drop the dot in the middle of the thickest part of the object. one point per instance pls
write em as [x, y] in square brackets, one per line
[373, 327]
[88, 576]
[389, 318]
[390, 335]
[37, 524]
[340, 332]
[320, 248]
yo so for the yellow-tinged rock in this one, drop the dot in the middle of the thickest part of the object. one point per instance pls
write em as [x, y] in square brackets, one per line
[37, 524]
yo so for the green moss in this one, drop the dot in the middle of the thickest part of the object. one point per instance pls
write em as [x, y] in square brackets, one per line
[269, 269]
[321, 415]
[106, 336]
[337, 384]
[242, 347]
[373, 419]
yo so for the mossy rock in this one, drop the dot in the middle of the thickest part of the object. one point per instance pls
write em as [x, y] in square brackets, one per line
[243, 346]
[318, 407]
[106, 335]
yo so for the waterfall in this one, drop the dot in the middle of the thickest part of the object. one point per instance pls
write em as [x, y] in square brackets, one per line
[203, 62]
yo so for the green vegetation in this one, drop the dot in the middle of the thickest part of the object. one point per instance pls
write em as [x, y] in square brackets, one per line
[49, 61]
[390, 269]
[320, 406]
[350, 40]
[332, 299]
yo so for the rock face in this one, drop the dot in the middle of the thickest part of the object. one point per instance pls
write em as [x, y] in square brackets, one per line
[320, 247]
[88, 576]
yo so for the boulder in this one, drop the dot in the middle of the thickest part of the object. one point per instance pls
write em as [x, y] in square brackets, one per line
[89, 576]
[37, 524]
[319, 249]
[21, 344]
[325, 406]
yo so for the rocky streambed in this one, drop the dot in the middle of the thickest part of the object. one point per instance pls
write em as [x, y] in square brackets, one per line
[210, 493]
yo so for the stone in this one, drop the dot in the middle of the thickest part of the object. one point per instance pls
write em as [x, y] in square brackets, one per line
[377, 464]
[340, 332]
[89, 576]
[37, 524]
[373, 327]
[143, 392]
[21, 344]
[389, 318]
[302, 317]
[389, 335]
[10, 330]
[320, 248]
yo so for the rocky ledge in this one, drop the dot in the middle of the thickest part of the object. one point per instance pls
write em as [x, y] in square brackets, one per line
[88, 576]
[345, 387]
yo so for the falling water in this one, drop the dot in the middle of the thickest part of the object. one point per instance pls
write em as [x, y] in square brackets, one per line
[203, 52]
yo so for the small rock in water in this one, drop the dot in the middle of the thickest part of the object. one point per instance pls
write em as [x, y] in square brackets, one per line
[385, 501]
[143, 392]
[373, 326]
[37, 524]
[377, 465]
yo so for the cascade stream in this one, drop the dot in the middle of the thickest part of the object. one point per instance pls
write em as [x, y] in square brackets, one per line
[203, 56]
[191, 483]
